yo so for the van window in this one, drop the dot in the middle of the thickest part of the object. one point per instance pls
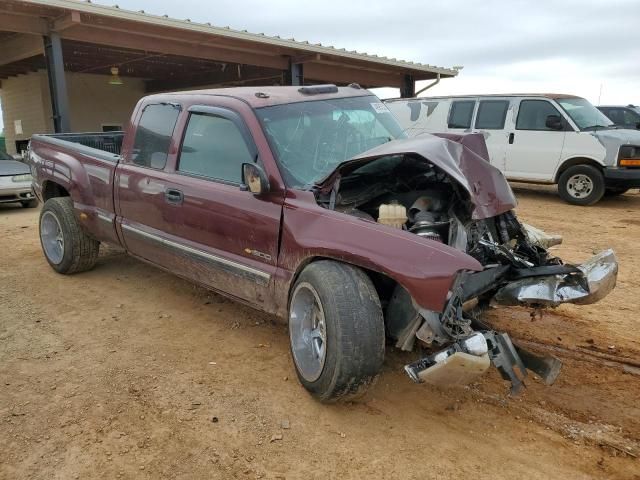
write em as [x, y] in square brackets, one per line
[213, 147]
[153, 135]
[491, 114]
[533, 114]
[461, 113]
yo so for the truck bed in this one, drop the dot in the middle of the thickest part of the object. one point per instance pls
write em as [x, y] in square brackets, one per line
[90, 143]
[84, 165]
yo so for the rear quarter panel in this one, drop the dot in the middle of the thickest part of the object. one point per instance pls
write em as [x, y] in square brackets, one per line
[88, 180]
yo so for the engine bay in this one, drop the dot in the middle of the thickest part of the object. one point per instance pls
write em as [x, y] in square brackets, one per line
[410, 194]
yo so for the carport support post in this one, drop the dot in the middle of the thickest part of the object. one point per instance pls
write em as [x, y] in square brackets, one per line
[408, 87]
[294, 76]
[57, 83]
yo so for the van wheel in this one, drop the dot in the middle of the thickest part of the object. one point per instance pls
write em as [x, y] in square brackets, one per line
[581, 185]
[336, 330]
[66, 246]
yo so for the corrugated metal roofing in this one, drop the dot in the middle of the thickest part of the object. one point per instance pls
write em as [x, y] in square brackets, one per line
[303, 46]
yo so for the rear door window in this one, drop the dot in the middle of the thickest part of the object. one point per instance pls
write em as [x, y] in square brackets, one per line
[491, 114]
[461, 113]
[214, 147]
[153, 135]
[533, 114]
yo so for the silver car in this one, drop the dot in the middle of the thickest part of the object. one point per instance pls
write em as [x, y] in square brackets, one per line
[15, 182]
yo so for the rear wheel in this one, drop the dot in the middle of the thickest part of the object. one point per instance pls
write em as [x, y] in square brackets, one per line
[336, 330]
[581, 185]
[66, 246]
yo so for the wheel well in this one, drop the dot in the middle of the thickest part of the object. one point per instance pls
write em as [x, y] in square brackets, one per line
[53, 190]
[383, 284]
[576, 161]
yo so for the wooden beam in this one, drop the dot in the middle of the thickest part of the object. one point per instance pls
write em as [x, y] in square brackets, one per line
[68, 21]
[136, 41]
[182, 35]
[342, 74]
[233, 74]
[312, 57]
[12, 22]
[20, 47]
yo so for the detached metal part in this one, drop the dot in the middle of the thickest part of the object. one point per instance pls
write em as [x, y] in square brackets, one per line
[460, 364]
[594, 280]
[506, 359]
[469, 358]
[540, 237]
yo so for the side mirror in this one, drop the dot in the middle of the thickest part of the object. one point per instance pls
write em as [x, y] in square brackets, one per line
[254, 179]
[554, 122]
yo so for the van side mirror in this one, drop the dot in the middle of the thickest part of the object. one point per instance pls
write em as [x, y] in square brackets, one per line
[554, 122]
[254, 179]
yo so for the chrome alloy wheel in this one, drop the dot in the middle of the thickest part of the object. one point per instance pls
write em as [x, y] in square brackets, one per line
[307, 332]
[51, 237]
[580, 186]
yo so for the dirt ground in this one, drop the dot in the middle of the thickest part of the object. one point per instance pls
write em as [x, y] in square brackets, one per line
[129, 372]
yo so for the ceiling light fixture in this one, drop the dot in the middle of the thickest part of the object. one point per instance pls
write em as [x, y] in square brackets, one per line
[115, 77]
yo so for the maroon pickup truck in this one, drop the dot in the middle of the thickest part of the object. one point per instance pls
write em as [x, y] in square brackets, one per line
[311, 204]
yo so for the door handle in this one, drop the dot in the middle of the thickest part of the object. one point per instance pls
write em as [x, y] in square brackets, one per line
[173, 196]
[511, 137]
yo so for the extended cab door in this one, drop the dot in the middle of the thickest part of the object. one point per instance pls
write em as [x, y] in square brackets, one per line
[194, 219]
[534, 149]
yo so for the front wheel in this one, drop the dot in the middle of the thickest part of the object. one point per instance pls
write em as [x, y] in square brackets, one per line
[336, 330]
[581, 185]
[66, 246]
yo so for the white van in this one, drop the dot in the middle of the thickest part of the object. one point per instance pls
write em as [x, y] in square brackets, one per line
[554, 139]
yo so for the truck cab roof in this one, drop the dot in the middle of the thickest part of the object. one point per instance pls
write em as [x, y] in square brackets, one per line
[258, 97]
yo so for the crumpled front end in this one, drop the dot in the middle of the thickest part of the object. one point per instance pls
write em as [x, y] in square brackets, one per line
[444, 190]
[518, 271]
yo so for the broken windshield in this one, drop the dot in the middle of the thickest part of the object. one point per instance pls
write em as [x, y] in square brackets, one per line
[310, 139]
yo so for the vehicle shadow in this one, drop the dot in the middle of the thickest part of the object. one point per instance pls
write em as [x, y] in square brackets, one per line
[15, 208]
[549, 193]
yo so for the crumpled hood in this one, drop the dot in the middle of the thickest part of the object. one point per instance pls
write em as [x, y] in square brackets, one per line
[612, 139]
[463, 157]
[13, 167]
[621, 136]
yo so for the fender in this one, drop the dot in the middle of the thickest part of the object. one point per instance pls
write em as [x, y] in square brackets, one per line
[570, 162]
[425, 268]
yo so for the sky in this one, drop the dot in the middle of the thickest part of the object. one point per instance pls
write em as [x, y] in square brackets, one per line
[581, 47]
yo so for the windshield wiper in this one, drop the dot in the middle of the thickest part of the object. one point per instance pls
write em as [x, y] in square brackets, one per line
[595, 127]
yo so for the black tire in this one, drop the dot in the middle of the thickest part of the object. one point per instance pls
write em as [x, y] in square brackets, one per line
[80, 251]
[355, 337]
[29, 204]
[614, 192]
[593, 174]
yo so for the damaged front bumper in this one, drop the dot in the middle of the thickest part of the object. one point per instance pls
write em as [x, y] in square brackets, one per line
[468, 358]
[587, 283]
[473, 351]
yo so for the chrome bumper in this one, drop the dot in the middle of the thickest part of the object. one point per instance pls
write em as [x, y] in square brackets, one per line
[594, 281]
